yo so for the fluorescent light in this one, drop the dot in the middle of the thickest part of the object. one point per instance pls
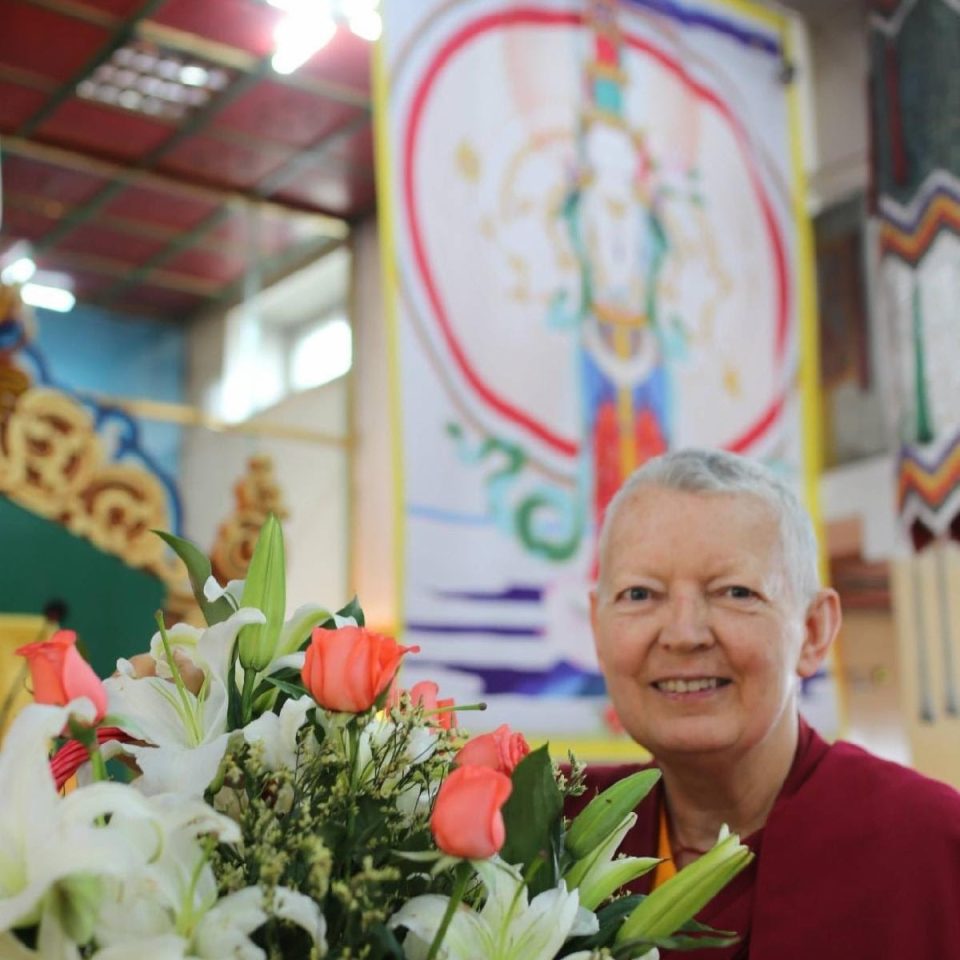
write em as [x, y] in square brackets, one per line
[48, 298]
[20, 271]
[193, 75]
[367, 25]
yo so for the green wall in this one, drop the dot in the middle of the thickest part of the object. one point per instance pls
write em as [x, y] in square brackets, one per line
[110, 605]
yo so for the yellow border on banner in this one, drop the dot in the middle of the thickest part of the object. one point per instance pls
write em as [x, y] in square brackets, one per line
[765, 15]
[386, 213]
[811, 395]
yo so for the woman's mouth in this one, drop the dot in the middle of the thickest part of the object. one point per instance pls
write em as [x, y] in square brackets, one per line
[689, 684]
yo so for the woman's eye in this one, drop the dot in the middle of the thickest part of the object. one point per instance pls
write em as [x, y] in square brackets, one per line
[740, 593]
[637, 593]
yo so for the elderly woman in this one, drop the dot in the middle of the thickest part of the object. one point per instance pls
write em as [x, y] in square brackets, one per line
[706, 615]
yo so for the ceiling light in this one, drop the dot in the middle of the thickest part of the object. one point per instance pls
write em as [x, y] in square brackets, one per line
[20, 271]
[142, 61]
[168, 69]
[299, 35]
[193, 76]
[355, 8]
[48, 298]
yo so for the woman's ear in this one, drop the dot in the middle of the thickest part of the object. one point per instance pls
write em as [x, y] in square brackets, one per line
[820, 629]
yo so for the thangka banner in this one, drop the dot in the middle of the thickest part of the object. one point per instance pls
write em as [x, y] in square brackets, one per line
[589, 211]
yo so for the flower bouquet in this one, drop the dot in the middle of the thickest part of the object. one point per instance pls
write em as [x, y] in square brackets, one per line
[263, 788]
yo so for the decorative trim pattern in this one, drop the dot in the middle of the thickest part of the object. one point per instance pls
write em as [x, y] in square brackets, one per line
[908, 231]
[928, 485]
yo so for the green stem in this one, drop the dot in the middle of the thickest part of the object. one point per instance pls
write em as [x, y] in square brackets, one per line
[353, 759]
[98, 764]
[246, 705]
[188, 713]
[461, 878]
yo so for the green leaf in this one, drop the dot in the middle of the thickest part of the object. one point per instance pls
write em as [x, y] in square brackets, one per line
[297, 632]
[530, 815]
[199, 571]
[293, 689]
[353, 609]
[691, 936]
[609, 919]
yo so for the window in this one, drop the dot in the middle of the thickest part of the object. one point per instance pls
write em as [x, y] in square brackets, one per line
[320, 352]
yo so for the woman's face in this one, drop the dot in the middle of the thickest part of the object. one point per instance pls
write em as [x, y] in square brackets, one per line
[697, 629]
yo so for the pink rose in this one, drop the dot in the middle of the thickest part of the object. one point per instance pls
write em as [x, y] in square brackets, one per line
[347, 669]
[466, 820]
[59, 674]
[425, 693]
[501, 750]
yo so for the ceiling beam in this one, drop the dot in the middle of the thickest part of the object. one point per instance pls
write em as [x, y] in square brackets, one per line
[277, 268]
[131, 176]
[117, 269]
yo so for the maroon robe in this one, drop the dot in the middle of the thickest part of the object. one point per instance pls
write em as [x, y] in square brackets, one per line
[859, 858]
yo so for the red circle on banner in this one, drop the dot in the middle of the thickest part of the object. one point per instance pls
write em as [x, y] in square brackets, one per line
[526, 16]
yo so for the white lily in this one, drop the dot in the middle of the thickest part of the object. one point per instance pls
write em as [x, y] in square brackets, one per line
[233, 591]
[277, 733]
[507, 927]
[187, 731]
[53, 849]
[172, 905]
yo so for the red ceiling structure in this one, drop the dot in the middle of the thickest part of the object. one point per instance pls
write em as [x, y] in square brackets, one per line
[163, 207]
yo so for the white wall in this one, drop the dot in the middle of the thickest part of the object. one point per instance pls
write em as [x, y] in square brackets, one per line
[839, 72]
[312, 476]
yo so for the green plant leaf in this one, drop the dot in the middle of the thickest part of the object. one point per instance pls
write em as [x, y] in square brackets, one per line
[530, 815]
[199, 571]
[691, 936]
[609, 919]
[294, 690]
[353, 609]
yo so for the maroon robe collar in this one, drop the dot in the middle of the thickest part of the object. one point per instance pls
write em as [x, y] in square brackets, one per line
[859, 860]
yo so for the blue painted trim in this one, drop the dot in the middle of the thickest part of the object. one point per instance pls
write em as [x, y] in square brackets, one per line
[712, 21]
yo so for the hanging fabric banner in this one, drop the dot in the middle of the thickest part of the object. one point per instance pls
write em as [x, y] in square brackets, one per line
[593, 252]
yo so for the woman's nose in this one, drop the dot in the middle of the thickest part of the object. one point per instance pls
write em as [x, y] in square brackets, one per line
[687, 623]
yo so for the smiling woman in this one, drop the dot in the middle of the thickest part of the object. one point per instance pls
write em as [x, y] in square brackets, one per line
[706, 615]
[697, 628]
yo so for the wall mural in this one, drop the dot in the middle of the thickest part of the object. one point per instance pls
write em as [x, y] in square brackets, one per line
[590, 226]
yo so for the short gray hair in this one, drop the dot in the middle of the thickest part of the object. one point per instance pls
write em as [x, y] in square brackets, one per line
[716, 471]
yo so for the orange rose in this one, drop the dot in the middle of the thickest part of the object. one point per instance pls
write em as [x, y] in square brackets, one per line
[466, 820]
[347, 669]
[501, 750]
[59, 674]
[425, 693]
